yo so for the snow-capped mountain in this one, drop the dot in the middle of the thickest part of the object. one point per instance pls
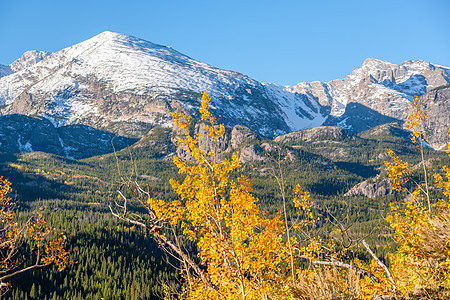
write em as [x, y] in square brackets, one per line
[114, 78]
[28, 59]
[380, 88]
[125, 85]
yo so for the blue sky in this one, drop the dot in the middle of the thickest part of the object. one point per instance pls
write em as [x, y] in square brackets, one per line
[283, 42]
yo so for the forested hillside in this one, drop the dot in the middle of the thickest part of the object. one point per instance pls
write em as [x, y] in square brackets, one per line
[116, 260]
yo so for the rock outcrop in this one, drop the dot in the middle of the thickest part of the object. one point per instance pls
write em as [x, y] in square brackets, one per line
[318, 133]
[125, 85]
[389, 129]
[28, 59]
[240, 135]
[436, 104]
[372, 188]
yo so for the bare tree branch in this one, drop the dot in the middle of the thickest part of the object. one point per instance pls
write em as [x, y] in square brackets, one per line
[394, 286]
[342, 265]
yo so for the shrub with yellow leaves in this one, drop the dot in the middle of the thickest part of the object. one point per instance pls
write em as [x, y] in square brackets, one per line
[421, 265]
[241, 252]
[238, 246]
[14, 234]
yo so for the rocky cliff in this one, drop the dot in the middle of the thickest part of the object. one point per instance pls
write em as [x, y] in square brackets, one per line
[436, 104]
[126, 86]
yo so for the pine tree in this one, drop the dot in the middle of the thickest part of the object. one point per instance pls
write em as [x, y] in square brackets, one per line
[33, 293]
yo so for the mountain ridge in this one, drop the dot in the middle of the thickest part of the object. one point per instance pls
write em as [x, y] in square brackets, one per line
[126, 85]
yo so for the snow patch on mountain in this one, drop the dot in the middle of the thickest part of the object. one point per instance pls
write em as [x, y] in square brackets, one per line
[124, 64]
[24, 147]
[382, 86]
[300, 111]
[5, 70]
[67, 149]
[28, 59]
[113, 78]
[127, 63]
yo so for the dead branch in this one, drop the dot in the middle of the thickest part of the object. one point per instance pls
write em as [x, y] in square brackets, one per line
[394, 286]
[154, 225]
[342, 265]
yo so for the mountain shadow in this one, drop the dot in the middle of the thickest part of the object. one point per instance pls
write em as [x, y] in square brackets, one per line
[358, 118]
[20, 133]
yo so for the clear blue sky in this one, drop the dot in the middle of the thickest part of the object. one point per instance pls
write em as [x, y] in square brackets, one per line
[284, 42]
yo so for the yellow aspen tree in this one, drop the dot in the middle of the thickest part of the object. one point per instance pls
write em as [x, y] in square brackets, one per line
[421, 224]
[241, 252]
[239, 247]
[14, 234]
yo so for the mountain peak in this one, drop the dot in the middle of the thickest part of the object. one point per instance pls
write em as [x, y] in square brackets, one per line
[112, 36]
[28, 59]
[114, 78]
[124, 40]
[108, 33]
[377, 63]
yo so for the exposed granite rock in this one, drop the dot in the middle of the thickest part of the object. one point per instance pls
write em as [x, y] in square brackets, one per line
[205, 142]
[389, 129]
[23, 105]
[358, 117]
[379, 86]
[241, 134]
[208, 144]
[436, 104]
[372, 188]
[239, 138]
[252, 153]
[28, 59]
[318, 133]
[264, 152]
